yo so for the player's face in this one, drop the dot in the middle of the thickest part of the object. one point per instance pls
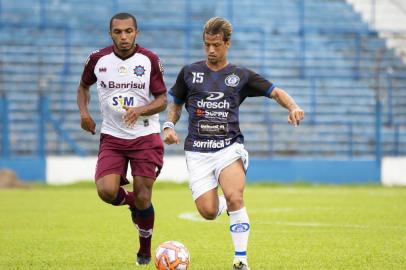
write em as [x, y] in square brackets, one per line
[216, 48]
[123, 33]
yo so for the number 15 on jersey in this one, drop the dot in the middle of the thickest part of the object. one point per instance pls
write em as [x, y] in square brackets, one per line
[197, 77]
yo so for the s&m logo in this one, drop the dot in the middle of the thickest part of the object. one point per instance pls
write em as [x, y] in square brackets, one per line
[116, 102]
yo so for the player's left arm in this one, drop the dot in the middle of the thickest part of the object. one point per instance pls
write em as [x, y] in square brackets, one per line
[156, 106]
[296, 114]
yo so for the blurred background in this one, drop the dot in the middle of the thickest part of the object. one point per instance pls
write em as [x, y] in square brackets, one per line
[343, 61]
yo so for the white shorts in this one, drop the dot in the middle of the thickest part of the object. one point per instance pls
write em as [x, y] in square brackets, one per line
[205, 168]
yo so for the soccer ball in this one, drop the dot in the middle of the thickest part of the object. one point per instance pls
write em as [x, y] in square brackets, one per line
[172, 255]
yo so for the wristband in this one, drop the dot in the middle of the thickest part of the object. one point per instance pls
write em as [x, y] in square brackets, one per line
[168, 125]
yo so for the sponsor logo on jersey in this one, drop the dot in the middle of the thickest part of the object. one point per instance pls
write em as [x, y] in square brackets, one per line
[215, 95]
[232, 80]
[139, 71]
[200, 112]
[88, 58]
[114, 85]
[213, 104]
[240, 227]
[94, 52]
[102, 69]
[122, 70]
[212, 128]
[116, 102]
[161, 67]
[209, 144]
[211, 114]
[213, 144]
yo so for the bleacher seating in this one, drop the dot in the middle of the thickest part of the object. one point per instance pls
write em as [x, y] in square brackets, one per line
[333, 65]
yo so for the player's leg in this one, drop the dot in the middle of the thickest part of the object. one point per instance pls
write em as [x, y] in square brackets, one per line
[232, 181]
[203, 184]
[111, 172]
[143, 216]
[210, 205]
[146, 160]
[110, 191]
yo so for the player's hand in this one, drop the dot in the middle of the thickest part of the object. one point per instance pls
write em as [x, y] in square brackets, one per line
[170, 136]
[295, 116]
[130, 116]
[87, 123]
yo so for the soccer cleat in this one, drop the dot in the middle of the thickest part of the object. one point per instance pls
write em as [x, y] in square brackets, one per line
[240, 265]
[143, 260]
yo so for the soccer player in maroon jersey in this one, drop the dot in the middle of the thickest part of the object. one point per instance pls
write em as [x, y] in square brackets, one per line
[131, 92]
[212, 91]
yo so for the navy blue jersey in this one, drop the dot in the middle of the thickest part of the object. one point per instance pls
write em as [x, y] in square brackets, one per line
[212, 99]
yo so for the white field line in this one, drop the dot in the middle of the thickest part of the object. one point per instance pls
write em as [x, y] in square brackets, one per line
[194, 216]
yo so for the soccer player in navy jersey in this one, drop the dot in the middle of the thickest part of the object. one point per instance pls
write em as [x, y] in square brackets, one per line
[212, 91]
[131, 93]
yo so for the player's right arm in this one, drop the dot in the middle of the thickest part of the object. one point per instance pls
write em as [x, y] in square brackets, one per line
[178, 92]
[296, 114]
[172, 117]
[83, 99]
[83, 93]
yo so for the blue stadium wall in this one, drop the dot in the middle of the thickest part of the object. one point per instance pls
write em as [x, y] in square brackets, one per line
[28, 169]
[315, 171]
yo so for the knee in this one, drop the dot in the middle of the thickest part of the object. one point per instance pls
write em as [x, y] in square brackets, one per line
[142, 199]
[209, 213]
[235, 202]
[106, 193]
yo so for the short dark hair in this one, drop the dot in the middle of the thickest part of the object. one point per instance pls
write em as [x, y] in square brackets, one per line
[123, 16]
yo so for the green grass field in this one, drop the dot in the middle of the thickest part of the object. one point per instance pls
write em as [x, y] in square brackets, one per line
[292, 227]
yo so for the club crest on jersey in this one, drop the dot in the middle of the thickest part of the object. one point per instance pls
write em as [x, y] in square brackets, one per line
[232, 80]
[139, 71]
[122, 70]
[116, 102]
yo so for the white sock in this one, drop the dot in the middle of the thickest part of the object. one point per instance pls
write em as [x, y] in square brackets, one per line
[222, 205]
[240, 228]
